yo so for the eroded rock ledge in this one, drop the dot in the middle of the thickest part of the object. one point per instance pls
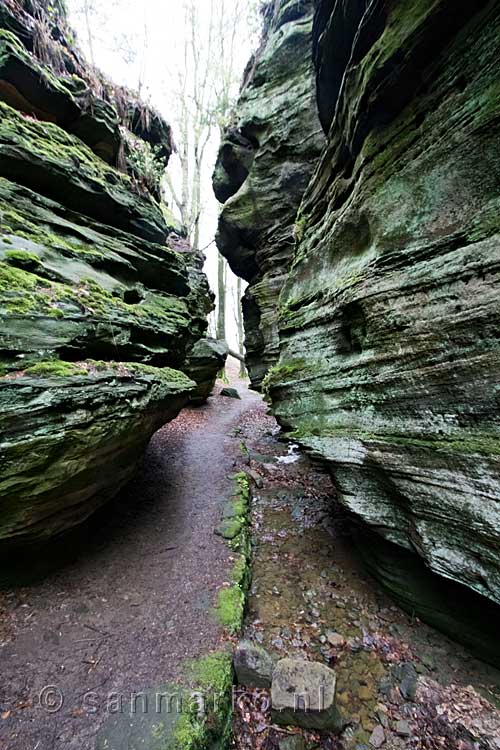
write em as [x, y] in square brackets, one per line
[263, 167]
[388, 320]
[101, 300]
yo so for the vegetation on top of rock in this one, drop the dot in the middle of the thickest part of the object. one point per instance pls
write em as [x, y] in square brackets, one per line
[206, 719]
[231, 600]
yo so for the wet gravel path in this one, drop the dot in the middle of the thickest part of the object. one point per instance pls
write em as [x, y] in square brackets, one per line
[135, 603]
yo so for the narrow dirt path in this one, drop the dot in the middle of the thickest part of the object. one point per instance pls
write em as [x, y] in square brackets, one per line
[135, 603]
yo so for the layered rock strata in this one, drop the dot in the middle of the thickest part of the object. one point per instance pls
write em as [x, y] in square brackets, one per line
[388, 313]
[389, 317]
[264, 164]
[101, 301]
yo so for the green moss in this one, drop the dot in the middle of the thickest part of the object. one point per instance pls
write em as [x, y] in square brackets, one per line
[240, 573]
[300, 228]
[212, 672]
[55, 368]
[231, 600]
[22, 259]
[281, 372]
[211, 677]
[163, 373]
[230, 528]
[49, 143]
[230, 608]
[11, 46]
[243, 488]
[469, 445]
[24, 292]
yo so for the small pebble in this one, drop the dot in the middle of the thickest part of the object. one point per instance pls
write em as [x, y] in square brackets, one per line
[402, 728]
[364, 693]
[377, 737]
[335, 639]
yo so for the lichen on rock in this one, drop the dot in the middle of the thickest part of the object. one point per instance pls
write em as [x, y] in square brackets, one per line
[391, 300]
[384, 361]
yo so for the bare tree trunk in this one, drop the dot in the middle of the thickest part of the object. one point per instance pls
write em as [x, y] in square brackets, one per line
[241, 332]
[221, 298]
[90, 38]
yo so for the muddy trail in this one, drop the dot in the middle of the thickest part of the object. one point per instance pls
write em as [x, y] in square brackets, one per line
[136, 602]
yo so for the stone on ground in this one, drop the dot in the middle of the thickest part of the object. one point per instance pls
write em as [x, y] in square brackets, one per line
[230, 392]
[377, 737]
[303, 695]
[253, 665]
[147, 722]
[295, 742]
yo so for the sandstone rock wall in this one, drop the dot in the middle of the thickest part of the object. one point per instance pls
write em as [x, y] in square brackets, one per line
[264, 165]
[389, 318]
[101, 301]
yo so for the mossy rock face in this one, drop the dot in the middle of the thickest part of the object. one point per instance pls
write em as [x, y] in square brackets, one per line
[70, 287]
[388, 320]
[45, 158]
[263, 167]
[31, 87]
[71, 435]
[100, 302]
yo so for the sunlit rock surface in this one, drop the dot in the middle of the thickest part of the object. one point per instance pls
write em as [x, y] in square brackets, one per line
[101, 300]
[264, 165]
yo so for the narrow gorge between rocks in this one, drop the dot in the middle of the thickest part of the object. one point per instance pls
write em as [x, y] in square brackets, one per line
[307, 558]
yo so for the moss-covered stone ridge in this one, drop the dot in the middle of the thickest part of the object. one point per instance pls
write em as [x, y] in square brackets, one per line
[389, 317]
[264, 164]
[101, 302]
[235, 528]
[71, 435]
[44, 74]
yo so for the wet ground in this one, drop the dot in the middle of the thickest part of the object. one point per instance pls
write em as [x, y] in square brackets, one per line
[136, 601]
[400, 684]
[124, 615]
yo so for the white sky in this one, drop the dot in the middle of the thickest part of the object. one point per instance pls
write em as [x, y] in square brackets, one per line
[121, 27]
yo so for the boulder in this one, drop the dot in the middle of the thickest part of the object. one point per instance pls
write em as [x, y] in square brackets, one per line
[230, 392]
[71, 436]
[253, 665]
[206, 359]
[303, 694]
